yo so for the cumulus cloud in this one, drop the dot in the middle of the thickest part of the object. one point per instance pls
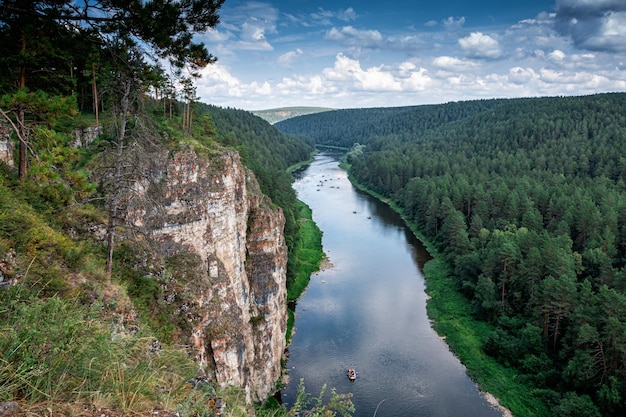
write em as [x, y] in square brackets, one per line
[405, 77]
[479, 45]
[521, 76]
[349, 70]
[219, 86]
[598, 25]
[449, 63]
[217, 80]
[557, 55]
[252, 37]
[347, 76]
[418, 80]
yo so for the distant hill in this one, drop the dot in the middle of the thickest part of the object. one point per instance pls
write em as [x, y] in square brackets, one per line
[345, 127]
[276, 115]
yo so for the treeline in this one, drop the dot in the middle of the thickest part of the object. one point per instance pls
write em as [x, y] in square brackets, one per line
[526, 200]
[343, 128]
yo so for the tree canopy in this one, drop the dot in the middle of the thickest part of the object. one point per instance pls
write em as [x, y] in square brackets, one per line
[164, 27]
[526, 201]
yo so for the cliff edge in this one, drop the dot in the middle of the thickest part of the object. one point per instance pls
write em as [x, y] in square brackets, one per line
[222, 243]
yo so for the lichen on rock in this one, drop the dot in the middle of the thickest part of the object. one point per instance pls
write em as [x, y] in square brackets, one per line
[224, 244]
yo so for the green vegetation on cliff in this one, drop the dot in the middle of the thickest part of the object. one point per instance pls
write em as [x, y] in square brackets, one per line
[88, 94]
[308, 253]
[69, 339]
[90, 350]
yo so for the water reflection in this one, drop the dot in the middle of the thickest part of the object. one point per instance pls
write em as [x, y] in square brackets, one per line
[369, 311]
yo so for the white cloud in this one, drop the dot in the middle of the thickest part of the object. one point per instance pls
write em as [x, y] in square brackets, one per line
[557, 55]
[343, 69]
[376, 79]
[453, 24]
[519, 75]
[479, 45]
[371, 79]
[315, 85]
[418, 80]
[404, 77]
[216, 36]
[287, 58]
[252, 36]
[325, 17]
[449, 63]
[561, 77]
[246, 27]
[347, 15]
[356, 37]
[218, 81]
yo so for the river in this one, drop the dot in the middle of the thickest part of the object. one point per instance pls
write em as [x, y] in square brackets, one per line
[368, 311]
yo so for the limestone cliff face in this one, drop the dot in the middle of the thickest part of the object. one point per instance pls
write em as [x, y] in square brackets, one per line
[224, 246]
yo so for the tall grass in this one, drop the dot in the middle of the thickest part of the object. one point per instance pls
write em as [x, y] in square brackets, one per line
[55, 351]
[307, 252]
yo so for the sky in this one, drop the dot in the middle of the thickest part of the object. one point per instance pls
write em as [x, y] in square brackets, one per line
[363, 53]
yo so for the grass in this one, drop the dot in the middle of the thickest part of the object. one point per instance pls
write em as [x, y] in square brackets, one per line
[65, 341]
[73, 357]
[308, 256]
[307, 253]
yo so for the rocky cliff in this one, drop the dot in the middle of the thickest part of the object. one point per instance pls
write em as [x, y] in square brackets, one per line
[225, 260]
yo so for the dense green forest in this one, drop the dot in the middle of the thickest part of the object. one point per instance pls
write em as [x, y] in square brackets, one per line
[526, 200]
[345, 127]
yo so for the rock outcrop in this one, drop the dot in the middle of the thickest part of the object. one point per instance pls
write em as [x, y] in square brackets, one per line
[222, 242]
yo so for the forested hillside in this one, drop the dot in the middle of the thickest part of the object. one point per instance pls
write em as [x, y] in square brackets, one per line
[345, 127]
[526, 201]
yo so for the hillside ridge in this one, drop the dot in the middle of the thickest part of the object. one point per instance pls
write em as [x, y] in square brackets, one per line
[276, 115]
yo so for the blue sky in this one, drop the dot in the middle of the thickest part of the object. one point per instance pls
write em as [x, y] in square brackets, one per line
[349, 54]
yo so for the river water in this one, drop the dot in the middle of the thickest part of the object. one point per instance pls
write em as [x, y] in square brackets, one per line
[368, 311]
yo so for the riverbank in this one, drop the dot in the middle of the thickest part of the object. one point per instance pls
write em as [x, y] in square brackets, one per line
[308, 257]
[450, 315]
